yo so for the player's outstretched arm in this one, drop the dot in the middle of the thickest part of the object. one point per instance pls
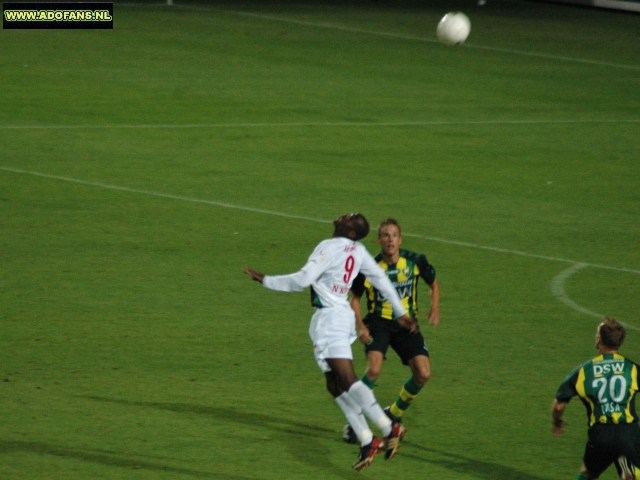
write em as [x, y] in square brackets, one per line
[257, 276]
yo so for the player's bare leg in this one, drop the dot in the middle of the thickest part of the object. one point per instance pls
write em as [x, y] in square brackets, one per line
[421, 369]
[341, 376]
[375, 360]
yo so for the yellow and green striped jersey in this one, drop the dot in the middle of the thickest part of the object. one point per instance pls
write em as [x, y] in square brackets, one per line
[607, 386]
[404, 276]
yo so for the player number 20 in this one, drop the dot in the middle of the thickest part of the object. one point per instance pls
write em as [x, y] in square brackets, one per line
[617, 388]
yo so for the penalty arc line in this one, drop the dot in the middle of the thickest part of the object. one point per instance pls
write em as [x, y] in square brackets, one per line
[557, 284]
[557, 289]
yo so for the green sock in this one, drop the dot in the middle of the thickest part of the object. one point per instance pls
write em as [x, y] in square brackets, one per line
[581, 477]
[408, 393]
[368, 382]
[411, 386]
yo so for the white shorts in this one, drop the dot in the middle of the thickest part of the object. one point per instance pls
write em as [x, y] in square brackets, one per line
[332, 332]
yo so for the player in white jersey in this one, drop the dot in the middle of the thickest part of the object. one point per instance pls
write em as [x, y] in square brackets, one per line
[329, 272]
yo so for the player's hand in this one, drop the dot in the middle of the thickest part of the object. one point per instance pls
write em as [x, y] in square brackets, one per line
[257, 276]
[558, 429]
[409, 323]
[364, 336]
[434, 317]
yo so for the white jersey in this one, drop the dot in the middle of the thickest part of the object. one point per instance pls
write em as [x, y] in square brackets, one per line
[330, 271]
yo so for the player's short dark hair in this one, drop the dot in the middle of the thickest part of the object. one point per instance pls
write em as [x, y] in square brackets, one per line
[352, 225]
[386, 222]
[612, 333]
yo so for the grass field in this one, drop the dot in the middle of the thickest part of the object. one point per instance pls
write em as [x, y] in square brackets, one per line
[141, 168]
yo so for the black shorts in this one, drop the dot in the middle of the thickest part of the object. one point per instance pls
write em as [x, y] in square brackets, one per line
[607, 442]
[387, 333]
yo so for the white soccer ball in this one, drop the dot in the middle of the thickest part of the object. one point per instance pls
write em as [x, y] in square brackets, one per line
[454, 28]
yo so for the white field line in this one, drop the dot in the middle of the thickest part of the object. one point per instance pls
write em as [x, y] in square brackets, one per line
[311, 219]
[557, 289]
[519, 253]
[432, 40]
[402, 37]
[557, 285]
[318, 124]
[163, 195]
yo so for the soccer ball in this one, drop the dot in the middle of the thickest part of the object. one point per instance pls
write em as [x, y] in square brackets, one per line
[454, 28]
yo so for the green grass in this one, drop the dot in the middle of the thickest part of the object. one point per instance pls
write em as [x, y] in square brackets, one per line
[132, 346]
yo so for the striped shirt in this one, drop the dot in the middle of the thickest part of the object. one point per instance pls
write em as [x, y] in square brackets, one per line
[404, 275]
[607, 386]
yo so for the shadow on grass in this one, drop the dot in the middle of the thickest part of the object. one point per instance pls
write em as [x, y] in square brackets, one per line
[313, 453]
[310, 451]
[468, 466]
[108, 459]
[229, 414]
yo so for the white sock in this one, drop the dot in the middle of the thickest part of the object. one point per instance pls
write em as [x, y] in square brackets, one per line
[356, 419]
[363, 396]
